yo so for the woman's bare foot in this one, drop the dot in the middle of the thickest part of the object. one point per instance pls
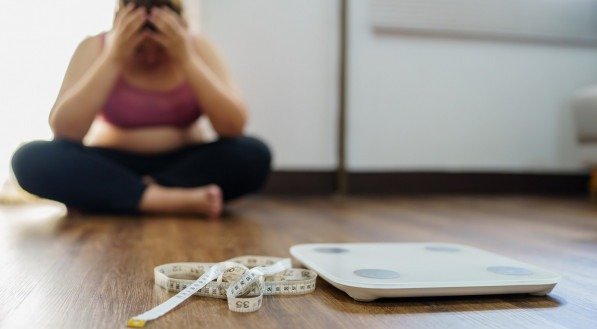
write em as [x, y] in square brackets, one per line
[208, 200]
[205, 200]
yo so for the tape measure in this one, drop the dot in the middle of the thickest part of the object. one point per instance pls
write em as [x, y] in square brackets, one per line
[243, 281]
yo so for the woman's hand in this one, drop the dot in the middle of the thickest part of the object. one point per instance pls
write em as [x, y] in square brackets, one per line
[172, 34]
[126, 33]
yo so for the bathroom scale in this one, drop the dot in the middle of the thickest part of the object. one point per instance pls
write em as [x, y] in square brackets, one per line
[368, 271]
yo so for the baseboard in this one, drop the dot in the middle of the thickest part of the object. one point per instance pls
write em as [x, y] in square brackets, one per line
[301, 182]
[324, 182]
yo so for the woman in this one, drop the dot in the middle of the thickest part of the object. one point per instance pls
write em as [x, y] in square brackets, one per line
[124, 123]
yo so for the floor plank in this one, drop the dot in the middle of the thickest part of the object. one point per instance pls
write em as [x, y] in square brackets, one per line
[96, 272]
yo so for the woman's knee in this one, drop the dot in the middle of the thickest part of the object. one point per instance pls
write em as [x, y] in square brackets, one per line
[30, 162]
[28, 156]
[260, 153]
[251, 157]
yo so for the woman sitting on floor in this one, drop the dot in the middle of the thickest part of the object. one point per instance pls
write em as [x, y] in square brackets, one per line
[126, 138]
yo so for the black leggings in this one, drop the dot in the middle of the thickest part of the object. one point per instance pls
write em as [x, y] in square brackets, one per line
[104, 180]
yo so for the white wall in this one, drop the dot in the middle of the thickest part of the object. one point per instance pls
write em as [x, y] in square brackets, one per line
[415, 102]
[432, 103]
[38, 38]
[284, 55]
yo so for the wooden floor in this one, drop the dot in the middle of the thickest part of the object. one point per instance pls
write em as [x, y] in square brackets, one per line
[96, 272]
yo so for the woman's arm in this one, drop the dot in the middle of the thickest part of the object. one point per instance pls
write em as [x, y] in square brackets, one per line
[215, 89]
[86, 85]
[216, 93]
[90, 78]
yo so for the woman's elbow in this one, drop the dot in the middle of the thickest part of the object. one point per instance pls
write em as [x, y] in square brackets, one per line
[70, 136]
[62, 131]
[236, 128]
[231, 131]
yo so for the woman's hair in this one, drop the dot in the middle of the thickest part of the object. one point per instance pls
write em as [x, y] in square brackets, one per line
[176, 5]
[186, 8]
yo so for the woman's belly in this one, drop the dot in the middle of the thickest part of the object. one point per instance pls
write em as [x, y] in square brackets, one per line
[143, 140]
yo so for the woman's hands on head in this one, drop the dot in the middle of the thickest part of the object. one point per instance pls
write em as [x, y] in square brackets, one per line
[172, 33]
[126, 33]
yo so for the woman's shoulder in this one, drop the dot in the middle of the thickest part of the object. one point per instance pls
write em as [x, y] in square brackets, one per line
[212, 56]
[206, 48]
[86, 53]
[201, 42]
[96, 40]
[91, 45]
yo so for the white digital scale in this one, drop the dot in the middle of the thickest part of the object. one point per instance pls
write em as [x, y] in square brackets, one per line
[368, 271]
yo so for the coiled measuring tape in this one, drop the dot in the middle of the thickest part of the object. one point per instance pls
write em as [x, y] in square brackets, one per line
[242, 280]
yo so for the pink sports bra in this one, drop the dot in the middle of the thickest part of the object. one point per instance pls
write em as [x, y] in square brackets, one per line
[129, 106]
